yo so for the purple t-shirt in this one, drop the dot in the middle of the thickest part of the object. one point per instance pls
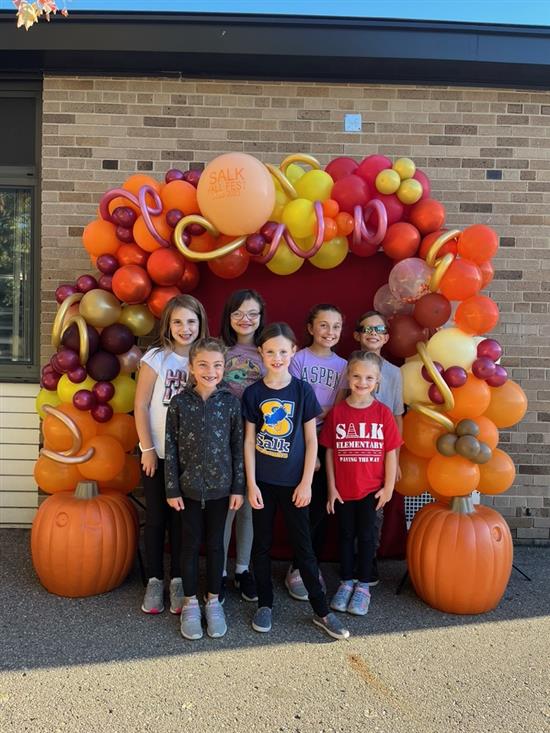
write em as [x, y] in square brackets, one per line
[243, 367]
[326, 374]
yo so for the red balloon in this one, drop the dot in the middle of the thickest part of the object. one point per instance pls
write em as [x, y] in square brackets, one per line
[490, 348]
[394, 207]
[371, 166]
[117, 339]
[462, 280]
[363, 249]
[349, 192]
[487, 273]
[405, 333]
[432, 310]
[190, 278]
[231, 265]
[166, 266]
[477, 315]
[131, 284]
[427, 215]
[159, 297]
[450, 247]
[478, 243]
[63, 291]
[132, 254]
[341, 167]
[401, 241]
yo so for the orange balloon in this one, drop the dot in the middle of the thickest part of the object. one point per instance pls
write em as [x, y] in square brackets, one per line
[427, 215]
[143, 236]
[453, 475]
[166, 265]
[236, 193]
[478, 243]
[439, 497]
[180, 195]
[331, 208]
[131, 284]
[420, 434]
[471, 400]
[159, 297]
[99, 238]
[231, 265]
[450, 247]
[331, 229]
[488, 432]
[401, 241]
[498, 474]
[487, 273]
[203, 243]
[122, 427]
[508, 404]
[52, 476]
[414, 477]
[107, 460]
[478, 314]
[345, 223]
[57, 435]
[461, 281]
[126, 480]
[132, 254]
[135, 182]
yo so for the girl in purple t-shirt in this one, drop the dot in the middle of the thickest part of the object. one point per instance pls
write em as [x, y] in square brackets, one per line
[325, 371]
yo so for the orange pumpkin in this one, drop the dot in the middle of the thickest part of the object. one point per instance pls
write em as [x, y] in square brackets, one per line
[459, 556]
[84, 543]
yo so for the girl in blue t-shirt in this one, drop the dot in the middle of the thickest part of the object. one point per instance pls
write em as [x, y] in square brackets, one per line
[280, 449]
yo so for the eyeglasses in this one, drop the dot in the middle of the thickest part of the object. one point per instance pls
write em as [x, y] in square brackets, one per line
[250, 315]
[372, 329]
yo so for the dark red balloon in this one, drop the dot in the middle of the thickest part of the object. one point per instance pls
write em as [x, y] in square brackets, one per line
[63, 291]
[490, 348]
[405, 333]
[107, 264]
[432, 310]
[85, 283]
[192, 177]
[268, 230]
[67, 360]
[483, 367]
[255, 244]
[174, 174]
[455, 376]
[117, 339]
[103, 391]
[435, 395]
[350, 192]
[341, 167]
[103, 366]
[50, 380]
[394, 208]
[78, 374]
[71, 338]
[195, 230]
[56, 366]
[102, 412]
[173, 217]
[105, 282]
[84, 399]
[124, 216]
[499, 377]
[125, 234]
[425, 373]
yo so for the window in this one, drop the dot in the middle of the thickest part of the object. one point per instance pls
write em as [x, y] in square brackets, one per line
[19, 241]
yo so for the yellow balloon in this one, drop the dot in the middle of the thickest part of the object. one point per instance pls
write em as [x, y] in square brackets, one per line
[387, 181]
[452, 347]
[415, 387]
[281, 200]
[138, 318]
[285, 262]
[46, 397]
[125, 392]
[410, 191]
[299, 218]
[305, 243]
[314, 185]
[100, 308]
[67, 389]
[294, 172]
[405, 167]
[331, 254]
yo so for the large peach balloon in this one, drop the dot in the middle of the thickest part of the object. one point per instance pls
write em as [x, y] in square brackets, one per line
[498, 474]
[415, 387]
[508, 404]
[453, 476]
[420, 434]
[452, 347]
[414, 476]
[236, 193]
[471, 400]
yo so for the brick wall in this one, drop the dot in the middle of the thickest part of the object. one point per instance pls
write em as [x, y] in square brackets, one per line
[486, 151]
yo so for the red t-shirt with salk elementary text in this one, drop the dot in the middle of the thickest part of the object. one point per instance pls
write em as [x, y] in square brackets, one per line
[360, 438]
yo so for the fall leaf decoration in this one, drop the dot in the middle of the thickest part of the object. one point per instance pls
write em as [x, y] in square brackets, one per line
[28, 13]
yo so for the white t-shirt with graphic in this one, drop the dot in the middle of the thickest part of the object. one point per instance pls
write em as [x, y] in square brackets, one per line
[172, 373]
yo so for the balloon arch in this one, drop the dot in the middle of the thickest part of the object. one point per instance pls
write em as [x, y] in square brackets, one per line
[147, 244]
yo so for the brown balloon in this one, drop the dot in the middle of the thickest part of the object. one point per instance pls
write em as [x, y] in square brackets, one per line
[405, 333]
[485, 454]
[467, 446]
[467, 427]
[445, 444]
[432, 310]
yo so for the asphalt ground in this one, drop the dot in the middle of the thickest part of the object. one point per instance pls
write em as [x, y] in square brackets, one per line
[100, 664]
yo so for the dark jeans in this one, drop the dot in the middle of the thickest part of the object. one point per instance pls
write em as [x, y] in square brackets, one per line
[159, 516]
[297, 524]
[318, 508]
[357, 519]
[212, 519]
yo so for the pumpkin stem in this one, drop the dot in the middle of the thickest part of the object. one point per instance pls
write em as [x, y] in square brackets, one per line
[463, 504]
[86, 490]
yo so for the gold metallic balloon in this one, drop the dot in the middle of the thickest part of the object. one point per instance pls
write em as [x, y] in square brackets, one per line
[445, 444]
[100, 308]
[138, 318]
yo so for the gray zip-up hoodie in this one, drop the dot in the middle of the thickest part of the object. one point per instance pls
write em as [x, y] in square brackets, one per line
[204, 445]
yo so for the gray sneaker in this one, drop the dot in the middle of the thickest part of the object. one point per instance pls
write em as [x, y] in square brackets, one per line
[215, 619]
[360, 600]
[176, 595]
[262, 620]
[332, 626]
[153, 601]
[341, 598]
[295, 585]
[190, 621]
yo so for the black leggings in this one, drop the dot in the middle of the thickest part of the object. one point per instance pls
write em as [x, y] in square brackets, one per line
[158, 516]
[358, 519]
[318, 508]
[213, 518]
[297, 524]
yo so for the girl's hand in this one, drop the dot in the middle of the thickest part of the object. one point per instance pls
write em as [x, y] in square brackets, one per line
[302, 495]
[383, 496]
[235, 502]
[255, 497]
[149, 462]
[317, 463]
[176, 503]
[333, 496]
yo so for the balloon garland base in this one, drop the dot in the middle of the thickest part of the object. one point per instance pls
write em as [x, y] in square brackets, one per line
[459, 556]
[84, 543]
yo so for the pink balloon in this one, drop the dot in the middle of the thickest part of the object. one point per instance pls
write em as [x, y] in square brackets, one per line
[341, 167]
[371, 166]
[424, 181]
[394, 208]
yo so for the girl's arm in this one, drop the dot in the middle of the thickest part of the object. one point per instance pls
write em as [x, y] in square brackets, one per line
[171, 459]
[144, 392]
[390, 474]
[236, 447]
[302, 493]
[253, 491]
[399, 421]
[333, 493]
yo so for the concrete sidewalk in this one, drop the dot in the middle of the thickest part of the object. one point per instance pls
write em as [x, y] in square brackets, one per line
[99, 664]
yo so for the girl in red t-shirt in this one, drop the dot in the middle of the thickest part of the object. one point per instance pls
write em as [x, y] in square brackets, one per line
[361, 437]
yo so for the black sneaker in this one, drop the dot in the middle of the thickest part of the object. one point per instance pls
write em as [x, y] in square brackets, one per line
[247, 585]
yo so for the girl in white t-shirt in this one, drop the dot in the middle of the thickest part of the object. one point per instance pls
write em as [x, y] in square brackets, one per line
[163, 374]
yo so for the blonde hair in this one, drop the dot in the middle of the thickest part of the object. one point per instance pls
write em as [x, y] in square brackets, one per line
[367, 357]
[206, 344]
[164, 339]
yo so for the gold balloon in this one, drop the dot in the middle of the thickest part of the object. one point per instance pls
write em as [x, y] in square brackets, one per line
[100, 308]
[284, 262]
[125, 392]
[138, 318]
[129, 361]
[331, 254]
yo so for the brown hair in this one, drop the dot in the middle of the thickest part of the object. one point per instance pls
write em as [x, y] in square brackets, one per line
[314, 312]
[206, 344]
[277, 329]
[232, 304]
[164, 339]
[369, 314]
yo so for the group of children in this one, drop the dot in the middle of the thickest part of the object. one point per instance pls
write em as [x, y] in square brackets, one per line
[231, 428]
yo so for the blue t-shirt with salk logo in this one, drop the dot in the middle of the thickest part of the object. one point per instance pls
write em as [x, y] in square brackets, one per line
[279, 416]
